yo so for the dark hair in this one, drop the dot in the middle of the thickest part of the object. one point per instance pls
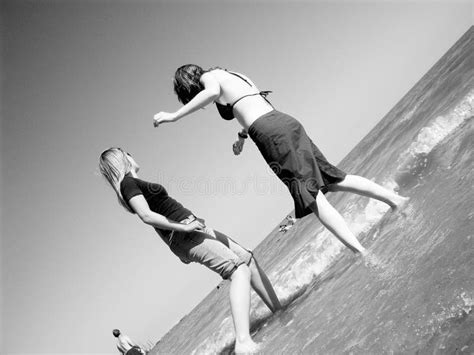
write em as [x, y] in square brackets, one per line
[186, 82]
[116, 332]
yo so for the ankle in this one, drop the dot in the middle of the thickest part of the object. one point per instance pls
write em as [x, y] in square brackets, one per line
[242, 339]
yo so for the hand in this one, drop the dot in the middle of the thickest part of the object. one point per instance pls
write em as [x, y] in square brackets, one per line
[194, 225]
[238, 146]
[163, 117]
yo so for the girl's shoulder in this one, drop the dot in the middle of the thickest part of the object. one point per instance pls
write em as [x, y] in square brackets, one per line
[215, 72]
[214, 75]
[215, 69]
[127, 181]
[224, 73]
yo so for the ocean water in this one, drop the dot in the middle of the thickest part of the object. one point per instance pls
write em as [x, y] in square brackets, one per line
[420, 298]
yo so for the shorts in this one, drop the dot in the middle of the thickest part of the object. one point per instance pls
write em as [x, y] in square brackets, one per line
[210, 248]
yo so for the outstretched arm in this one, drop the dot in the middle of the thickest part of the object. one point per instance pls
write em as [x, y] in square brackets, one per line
[140, 206]
[211, 91]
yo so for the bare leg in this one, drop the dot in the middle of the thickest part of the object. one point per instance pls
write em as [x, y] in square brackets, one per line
[240, 307]
[366, 187]
[333, 221]
[262, 285]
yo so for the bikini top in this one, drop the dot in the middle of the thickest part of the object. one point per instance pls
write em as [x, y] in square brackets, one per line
[227, 111]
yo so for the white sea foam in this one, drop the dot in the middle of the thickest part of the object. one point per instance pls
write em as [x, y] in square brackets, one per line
[317, 255]
[221, 338]
[293, 275]
[463, 304]
[438, 129]
[468, 302]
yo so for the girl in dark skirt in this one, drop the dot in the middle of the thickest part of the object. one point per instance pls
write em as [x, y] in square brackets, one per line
[282, 141]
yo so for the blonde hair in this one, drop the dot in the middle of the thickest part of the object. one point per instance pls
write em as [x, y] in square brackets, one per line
[114, 165]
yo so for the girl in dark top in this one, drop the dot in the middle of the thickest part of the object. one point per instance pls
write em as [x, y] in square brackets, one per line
[188, 237]
[282, 141]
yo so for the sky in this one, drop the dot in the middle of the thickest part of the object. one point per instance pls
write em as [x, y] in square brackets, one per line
[81, 76]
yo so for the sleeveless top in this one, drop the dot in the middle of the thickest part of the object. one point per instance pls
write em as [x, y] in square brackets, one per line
[227, 111]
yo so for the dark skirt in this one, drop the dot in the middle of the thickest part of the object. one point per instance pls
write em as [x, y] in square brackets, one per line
[295, 159]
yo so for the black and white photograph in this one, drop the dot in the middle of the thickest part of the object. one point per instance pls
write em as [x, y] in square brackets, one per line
[200, 177]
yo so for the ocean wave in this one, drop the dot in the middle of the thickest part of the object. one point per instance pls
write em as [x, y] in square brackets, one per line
[462, 306]
[222, 338]
[292, 276]
[434, 133]
[318, 255]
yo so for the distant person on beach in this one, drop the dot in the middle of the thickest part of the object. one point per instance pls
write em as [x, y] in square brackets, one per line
[125, 344]
[191, 240]
[291, 220]
[290, 223]
[281, 139]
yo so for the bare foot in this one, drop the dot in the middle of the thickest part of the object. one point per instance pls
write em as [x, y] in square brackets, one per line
[363, 252]
[372, 261]
[247, 347]
[399, 203]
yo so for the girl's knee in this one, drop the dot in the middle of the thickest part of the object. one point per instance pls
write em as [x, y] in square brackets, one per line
[321, 199]
[241, 271]
[243, 268]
